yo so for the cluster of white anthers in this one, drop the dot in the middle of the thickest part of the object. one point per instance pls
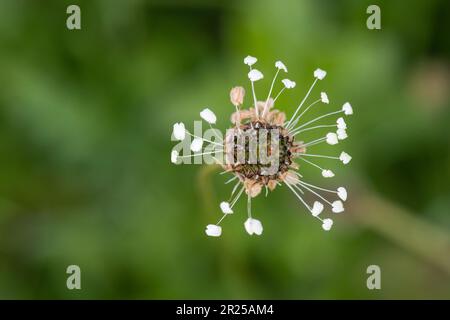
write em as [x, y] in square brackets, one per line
[260, 113]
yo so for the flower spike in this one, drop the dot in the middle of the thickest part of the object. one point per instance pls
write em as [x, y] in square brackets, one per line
[258, 127]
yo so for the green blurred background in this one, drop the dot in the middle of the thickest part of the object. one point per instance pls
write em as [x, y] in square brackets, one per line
[85, 173]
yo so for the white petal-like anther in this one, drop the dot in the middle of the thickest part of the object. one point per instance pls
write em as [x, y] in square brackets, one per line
[213, 230]
[342, 193]
[320, 74]
[341, 134]
[289, 84]
[326, 224]
[225, 207]
[249, 60]
[337, 206]
[179, 132]
[280, 65]
[341, 123]
[324, 98]
[345, 157]
[347, 108]
[253, 226]
[317, 208]
[196, 144]
[174, 156]
[332, 138]
[208, 116]
[255, 75]
[327, 173]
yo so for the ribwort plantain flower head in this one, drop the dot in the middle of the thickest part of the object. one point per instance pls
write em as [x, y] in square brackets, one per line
[263, 149]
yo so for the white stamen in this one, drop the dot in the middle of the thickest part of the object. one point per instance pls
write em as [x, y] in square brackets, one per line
[345, 157]
[229, 180]
[342, 193]
[237, 196]
[179, 131]
[318, 118]
[253, 226]
[332, 138]
[225, 207]
[301, 199]
[249, 60]
[341, 123]
[213, 230]
[234, 190]
[279, 93]
[326, 224]
[327, 173]
[174, 156]
[301, 103]
[294, 133]
[255, 75]
[249, 206]
[232, 203]
[316, 187]
[320, 74]
[209, 116]
[288, 84]
[270, 92]
[347, 108]
[200, 154]
[314, 142]
[341, 134]
[337, 206]
[255, 101]
[317, 208]
[280, 66]
[196, 144]
[197, 137]
[319, 156]
[317, 194]
[294, 123]
[324, 98]
[217, 160]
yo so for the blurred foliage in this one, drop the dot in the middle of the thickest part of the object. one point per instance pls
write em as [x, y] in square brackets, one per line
[85, 124]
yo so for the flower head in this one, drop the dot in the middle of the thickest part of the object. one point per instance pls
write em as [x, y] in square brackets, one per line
[263, 148]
